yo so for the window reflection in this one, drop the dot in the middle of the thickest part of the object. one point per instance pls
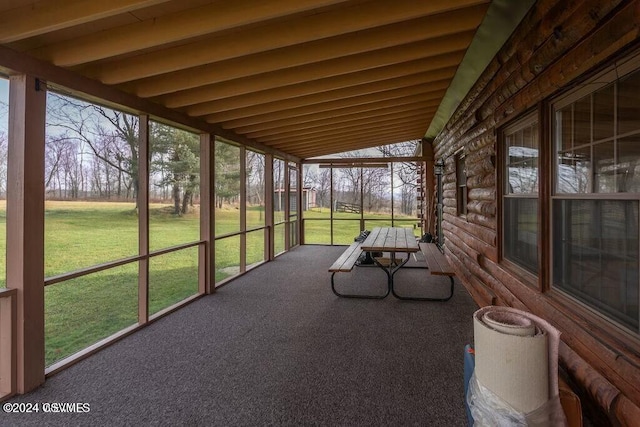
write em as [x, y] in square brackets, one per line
[596, 254]
[595, 238]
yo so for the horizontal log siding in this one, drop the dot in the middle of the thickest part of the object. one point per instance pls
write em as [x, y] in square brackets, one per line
[557, 44]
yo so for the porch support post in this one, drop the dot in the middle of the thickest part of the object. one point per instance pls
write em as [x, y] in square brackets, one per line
[268, 208]
[206, 253]
[299, 228]
[331, 203]
[25, 224]
[287, 206]
[143, 219]
[243, 209]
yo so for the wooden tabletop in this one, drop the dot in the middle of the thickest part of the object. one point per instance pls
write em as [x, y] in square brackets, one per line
[390, 239]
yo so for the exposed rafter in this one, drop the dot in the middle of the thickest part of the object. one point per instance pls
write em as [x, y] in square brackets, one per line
[372, 109]
[330, 57]
[242, 97]
[44, 16]
[293, 99]
[208, 19]
[268, 37]
[336, 122]
[298, 77]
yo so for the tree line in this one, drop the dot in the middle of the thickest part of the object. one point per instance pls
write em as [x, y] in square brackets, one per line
[92, 152]
[373, 185]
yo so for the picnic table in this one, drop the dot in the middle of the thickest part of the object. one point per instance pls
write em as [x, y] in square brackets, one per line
[392, 240]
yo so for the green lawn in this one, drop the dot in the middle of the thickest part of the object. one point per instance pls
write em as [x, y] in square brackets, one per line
[82, 311]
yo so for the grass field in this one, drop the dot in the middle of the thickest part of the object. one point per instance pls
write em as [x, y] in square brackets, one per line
[84, 310]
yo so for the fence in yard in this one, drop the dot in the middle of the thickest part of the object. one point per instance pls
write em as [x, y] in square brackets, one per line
[346, 207]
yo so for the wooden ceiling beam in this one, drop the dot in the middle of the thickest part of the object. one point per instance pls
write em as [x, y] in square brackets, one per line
[339, 120]
[44, 16]
[357, 110]
[392, 98]
[333, 127]
[321, 149]
[354, 161]
[371, 142]
[243, 97]
[396, 126]
[277, 109]
[262, 102]
[313, 92]
[364, 134]
[298, 64]
[429, 28]
[193, 22]
[268, 37]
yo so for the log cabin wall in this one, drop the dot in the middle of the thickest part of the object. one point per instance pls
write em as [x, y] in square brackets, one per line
[557, 46]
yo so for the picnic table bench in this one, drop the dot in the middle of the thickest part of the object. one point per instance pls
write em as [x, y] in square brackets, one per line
[345, 263]
[438, 265]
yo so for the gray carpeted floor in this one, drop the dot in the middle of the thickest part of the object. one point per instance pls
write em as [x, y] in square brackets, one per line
[277, 347]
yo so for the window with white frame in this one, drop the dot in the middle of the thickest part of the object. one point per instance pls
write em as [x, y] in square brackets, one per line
[520, 193]
[595, 206]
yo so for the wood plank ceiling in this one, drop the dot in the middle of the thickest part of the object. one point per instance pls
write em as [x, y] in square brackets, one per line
[307, 77]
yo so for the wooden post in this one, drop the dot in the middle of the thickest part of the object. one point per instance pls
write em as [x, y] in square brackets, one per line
[243, 209]
[25, 223]
[143, 219]
[331, 203]
[206, 254]
[299, 229]
[393, 214]
[287, 207]
[268, 207]
[362, 227]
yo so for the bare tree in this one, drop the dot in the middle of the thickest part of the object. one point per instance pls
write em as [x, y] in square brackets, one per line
[255, 178]
[320, 181]
[278, 184]
[109, 135]
[58, 151]
[404, 172]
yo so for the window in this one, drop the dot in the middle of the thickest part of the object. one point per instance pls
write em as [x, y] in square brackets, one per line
[520, 193]
[595, 232]
[461, 185]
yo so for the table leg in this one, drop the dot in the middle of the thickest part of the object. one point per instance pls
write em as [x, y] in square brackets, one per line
[395, 294]
[391, 270]
[333, 288]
